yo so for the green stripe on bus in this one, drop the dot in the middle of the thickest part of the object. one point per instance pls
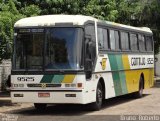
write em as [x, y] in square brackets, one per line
[57, 79]
[47, 79]
[119, 62]
[115, 75]
[121, 74]
[117, 84]
[123, 82]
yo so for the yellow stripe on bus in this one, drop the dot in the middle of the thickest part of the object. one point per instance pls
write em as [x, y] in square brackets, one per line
[131, 75]
[68, 79]
[125, 62]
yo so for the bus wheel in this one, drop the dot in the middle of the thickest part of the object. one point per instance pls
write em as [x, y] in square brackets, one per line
[139, 93]
[40, 106]
[99, 97]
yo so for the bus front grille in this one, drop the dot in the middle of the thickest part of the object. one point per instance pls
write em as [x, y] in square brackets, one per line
[46, 85]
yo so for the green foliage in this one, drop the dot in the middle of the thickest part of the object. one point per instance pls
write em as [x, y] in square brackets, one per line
[31, 10]
[151, 17]
[131, 12]
[105, 10]
[8, 16]
[141, 13]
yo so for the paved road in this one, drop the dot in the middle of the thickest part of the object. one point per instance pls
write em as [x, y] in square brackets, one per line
[119, 108]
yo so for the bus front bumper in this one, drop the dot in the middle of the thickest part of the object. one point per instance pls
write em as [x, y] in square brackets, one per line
[50, 96]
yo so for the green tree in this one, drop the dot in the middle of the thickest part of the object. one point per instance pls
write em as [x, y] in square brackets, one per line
[131, 12]
[8, 15]
[142, 13]
[150, 18]
[102, 9]
[31, 10]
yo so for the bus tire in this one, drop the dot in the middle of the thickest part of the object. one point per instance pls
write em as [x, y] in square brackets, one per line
[40, 106]
[99, 98]
[139, 93]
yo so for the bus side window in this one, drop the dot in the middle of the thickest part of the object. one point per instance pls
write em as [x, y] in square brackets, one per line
[105, 35]
[112, 40]
[133, 42]
[124, 41]
[102, 39]
[117, 38]
[149, 43]
[90, 31]
[141, 41]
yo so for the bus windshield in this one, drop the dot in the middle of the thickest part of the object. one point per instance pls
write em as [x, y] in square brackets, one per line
[50, 48]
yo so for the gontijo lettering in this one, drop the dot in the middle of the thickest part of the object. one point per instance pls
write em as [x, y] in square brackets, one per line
[137, 61]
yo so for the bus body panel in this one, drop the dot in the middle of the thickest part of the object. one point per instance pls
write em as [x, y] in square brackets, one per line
[121, 72]
[62, 85]
[117, 82]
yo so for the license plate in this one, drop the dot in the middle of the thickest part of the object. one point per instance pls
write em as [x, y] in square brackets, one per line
[43, 94]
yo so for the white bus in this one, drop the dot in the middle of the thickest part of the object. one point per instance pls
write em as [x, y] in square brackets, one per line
[76, 59]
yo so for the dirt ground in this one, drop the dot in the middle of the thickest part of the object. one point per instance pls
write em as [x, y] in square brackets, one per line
[149, 104]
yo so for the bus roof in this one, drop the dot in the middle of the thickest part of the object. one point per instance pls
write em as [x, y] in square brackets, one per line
[51, 20]
[144, 29]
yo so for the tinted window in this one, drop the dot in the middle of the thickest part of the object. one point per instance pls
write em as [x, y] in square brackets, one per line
[141, 40]
[124, 41]
[106, 43]
[112, 40]
[90, 30]
[29, 52]
[134, 42]
[61, 48]
[102, 39]
[149, 43]
[117, 39]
